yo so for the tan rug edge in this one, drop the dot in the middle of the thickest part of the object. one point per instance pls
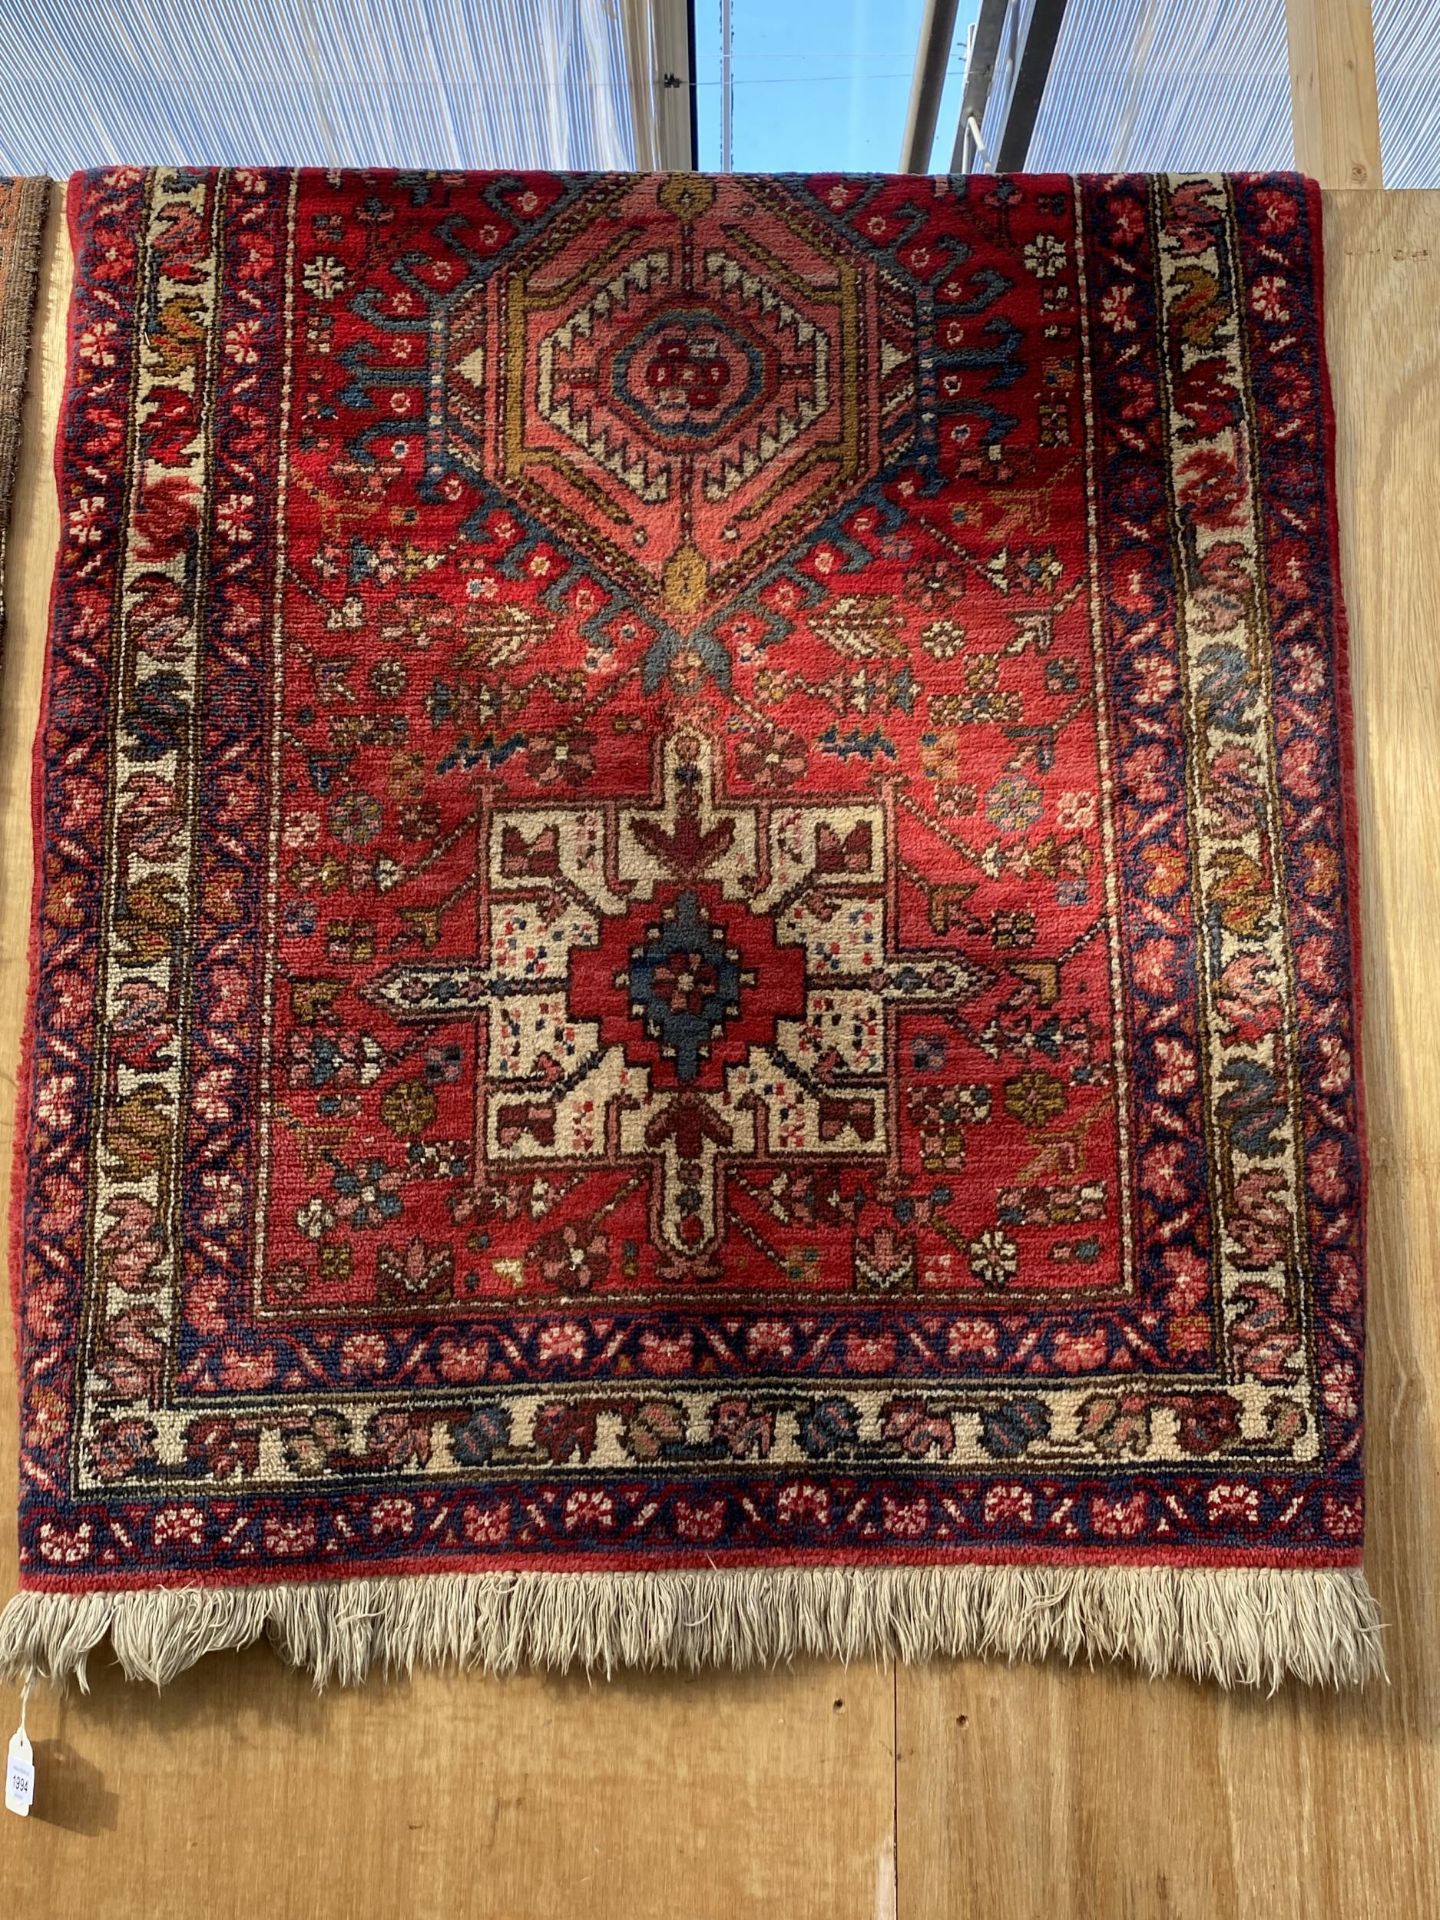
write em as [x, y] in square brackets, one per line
[22, 230]
[1253, 1627]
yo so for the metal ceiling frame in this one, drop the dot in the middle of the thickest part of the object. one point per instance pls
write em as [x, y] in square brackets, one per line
[1032, 48]
[937, 31]
[979, 73]
[1011, 48]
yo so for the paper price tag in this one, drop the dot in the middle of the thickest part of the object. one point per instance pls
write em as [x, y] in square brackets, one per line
[19, 1774]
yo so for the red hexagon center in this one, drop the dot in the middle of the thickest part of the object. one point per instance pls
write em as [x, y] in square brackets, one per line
[686, 983]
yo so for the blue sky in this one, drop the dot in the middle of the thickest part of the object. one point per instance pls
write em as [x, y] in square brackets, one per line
[819, 84]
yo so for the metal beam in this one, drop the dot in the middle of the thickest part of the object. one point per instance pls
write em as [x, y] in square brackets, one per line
[932, 57]
[1034, 50]
[1009, 64]
[979, 74]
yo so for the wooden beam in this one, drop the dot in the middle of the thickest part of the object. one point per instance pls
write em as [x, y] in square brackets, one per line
[1334, 101]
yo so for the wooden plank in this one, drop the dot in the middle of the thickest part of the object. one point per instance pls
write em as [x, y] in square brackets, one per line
[1334, 101]
[240, 1790]
[1053, 1793]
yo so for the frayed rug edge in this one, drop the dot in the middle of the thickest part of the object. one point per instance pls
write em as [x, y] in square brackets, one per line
[1252, 1627]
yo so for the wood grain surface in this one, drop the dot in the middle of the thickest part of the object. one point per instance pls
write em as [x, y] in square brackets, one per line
[945, 1791]
[1334, 99]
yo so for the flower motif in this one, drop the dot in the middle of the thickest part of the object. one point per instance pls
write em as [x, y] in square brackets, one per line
[392, 1517]
[943, 639]
[940, 756]
[247, 1369]
[1267, 297]
[994, 1257]
[667, 1353]
[803, 1503]
[234, 515]
[1045, 256]
[700, 1520]
[927, 1052]
[182, 1526]
[368, 1193]
[487, 1525]
[240, 342]
[1340, 1388]
[301, 830]
[1117, 309]
[95, 343]
[407, 1109]
[1035, 1097]
[972, 1339]
[1233, 1503]
[1075, 811]
[770, 759]
[53, 1101]
[355, 820]
[65, 1546]
[289, 1535]
[324, 276]
[364, 1353]
[770, 1340]
[573, 1258]
[221, 1199]
[1009, 1504]
[212, 1094]
[589, 1510]
[1119, 1518]
[1014, 928]
[561, 1340]
[870, 1352]
[314, 1218]
[567, 757]
[463, 1361]
[1081, 1349]
[905, 1519]
[86, 518]
[1013, 803]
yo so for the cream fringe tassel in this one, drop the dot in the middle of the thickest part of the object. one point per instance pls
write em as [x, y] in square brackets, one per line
[1240, 1626]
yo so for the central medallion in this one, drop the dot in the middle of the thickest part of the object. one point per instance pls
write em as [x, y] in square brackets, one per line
[688, 374]
[680, 402]
[687, 980]
[684, 983]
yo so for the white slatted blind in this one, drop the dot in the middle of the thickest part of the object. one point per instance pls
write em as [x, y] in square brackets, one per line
[1175, 85]
[1407, 63]
[1166, 86]
[403, 83]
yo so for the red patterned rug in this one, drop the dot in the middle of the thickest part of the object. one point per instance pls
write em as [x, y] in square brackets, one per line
[694, 970]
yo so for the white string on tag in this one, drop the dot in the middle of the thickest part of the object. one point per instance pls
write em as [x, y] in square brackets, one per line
[20, 1762]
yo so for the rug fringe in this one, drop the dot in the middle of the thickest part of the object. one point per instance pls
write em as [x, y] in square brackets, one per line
[1239, 1626]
